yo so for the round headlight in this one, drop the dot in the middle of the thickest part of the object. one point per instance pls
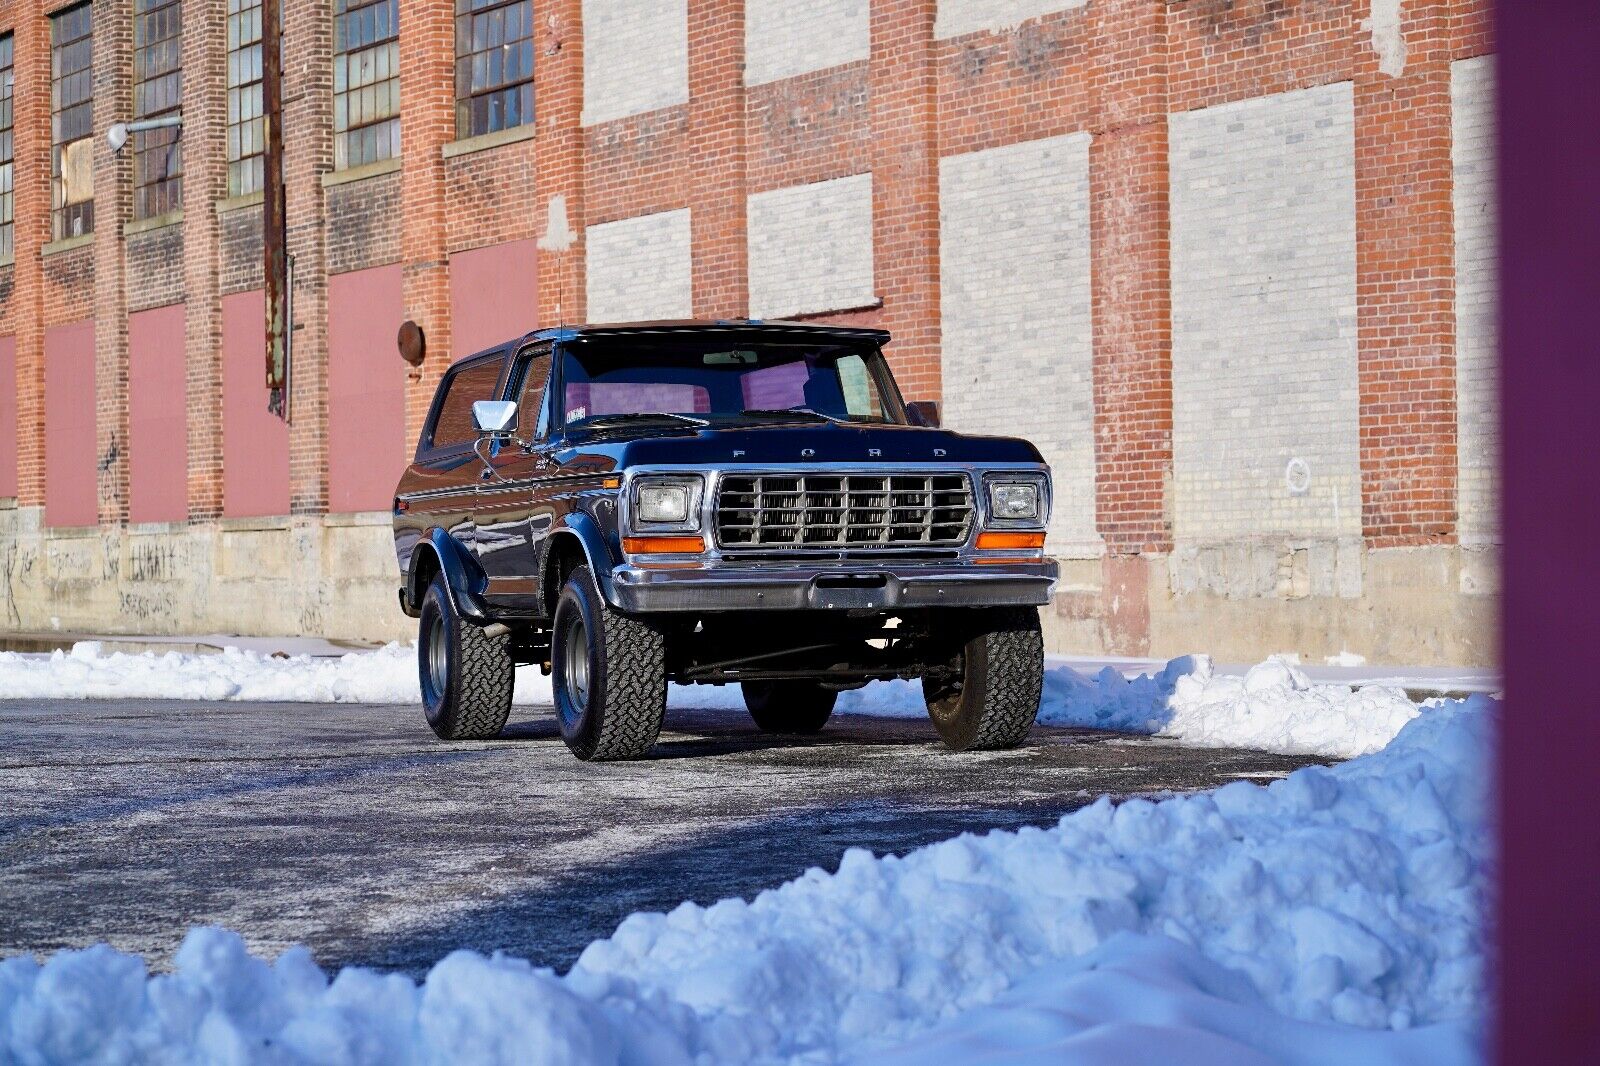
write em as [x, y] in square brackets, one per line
[1013, 500]
[663, 503]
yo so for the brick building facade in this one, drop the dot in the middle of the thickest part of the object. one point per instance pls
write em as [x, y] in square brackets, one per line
[1229, 262]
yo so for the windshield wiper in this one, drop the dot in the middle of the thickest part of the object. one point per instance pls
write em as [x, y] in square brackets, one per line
[601, 421]
[802, 413]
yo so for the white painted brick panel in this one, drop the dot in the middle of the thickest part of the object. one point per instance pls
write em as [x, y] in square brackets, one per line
[1472, 154]
[1264, 317]
[1015, 312]
[811, 248]
[635, 57]
[639, 268]
[956, 17]
[783, 38]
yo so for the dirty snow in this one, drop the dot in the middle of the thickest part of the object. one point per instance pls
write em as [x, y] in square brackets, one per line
[1274, 706]
[1333, 916]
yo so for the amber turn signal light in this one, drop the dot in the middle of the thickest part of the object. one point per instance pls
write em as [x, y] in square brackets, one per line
[1003, 539]
[663, 545]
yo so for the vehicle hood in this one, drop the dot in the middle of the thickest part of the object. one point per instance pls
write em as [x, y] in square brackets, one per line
[796, 443]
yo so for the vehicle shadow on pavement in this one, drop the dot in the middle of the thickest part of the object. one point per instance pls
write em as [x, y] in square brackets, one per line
[551, 924]
[695, 734]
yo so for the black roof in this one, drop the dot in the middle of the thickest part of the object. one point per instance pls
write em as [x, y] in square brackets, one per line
[752, 327]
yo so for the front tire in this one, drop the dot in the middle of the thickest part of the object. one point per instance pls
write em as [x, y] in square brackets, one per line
[788, 706]
[987, 696]
[467, 675]
[608, 674]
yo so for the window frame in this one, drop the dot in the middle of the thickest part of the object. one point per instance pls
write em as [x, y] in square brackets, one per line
[153, 196]
[246, 169]
[7, 145]
[426, 448]
[384, 50]
[79, 215]
[467, 14]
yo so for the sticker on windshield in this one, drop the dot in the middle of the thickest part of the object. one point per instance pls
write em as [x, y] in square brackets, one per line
[578, 414]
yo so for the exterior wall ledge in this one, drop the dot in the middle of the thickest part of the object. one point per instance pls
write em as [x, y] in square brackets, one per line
[361, 173]
[357, 518]
[154, 222]
[71, 532]
[67, 244]
[8, 503]
[485, 141]
[238, 203]
[151, 529]
[253, 522]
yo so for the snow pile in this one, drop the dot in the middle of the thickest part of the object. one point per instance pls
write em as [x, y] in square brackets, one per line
[1225, 927]
[1273, 707]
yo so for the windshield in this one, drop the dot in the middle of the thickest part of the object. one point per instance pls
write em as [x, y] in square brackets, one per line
[708, 381]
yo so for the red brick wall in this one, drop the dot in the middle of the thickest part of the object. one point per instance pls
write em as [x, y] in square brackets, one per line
[461, 226]
[366, 390]
[157, 426]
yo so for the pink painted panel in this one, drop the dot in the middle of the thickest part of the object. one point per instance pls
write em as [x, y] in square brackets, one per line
[69, 447]
[366, 390]
[255, 443]
[158, 447]
[494, 295]
[8, 416]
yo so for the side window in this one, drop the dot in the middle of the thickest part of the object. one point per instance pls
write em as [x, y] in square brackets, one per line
[462, 389]
[530, 402]
[860, 395]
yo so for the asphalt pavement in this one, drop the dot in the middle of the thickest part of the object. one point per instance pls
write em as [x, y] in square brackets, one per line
[351, 829]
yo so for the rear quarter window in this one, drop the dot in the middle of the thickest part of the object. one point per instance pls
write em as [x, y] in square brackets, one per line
[452, 425]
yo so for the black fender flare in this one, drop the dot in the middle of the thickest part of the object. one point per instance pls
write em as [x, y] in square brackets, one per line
[464, 580]
[586, 531]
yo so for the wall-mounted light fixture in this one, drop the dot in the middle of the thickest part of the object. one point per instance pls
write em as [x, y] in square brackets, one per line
[117, 135]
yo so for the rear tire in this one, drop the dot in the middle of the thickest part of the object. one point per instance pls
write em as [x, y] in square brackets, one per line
[788, 706]
[467, 675]
[608, 674]
[987, 696]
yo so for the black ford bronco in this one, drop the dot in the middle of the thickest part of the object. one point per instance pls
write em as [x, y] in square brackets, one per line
[715, 502]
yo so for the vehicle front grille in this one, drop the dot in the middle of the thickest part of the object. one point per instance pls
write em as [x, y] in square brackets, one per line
[830, 512]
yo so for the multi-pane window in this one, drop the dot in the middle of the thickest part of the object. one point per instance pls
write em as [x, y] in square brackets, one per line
[6, 201]
[157, 91]
[247, 130]
[494, 65]
[366, 81]
[72, 122]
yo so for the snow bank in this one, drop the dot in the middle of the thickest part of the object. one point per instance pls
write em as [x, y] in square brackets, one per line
[1229, 927]
[1273, 707]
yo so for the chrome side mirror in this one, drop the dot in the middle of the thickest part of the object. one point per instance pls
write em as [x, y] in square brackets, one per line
[923, 413]
[494, 418]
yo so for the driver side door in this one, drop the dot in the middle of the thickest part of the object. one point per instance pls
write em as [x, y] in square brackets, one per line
[503, 510]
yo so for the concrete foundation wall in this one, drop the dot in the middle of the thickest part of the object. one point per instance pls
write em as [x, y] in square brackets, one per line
[1430, 605]
[331, 576]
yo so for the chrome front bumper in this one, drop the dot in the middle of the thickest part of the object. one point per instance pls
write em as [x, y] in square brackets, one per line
[817, 588]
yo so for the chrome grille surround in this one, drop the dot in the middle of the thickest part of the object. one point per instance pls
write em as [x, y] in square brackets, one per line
[832, 511]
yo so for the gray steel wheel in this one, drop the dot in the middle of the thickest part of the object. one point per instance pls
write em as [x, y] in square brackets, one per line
[467, 676]
[610, 677]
